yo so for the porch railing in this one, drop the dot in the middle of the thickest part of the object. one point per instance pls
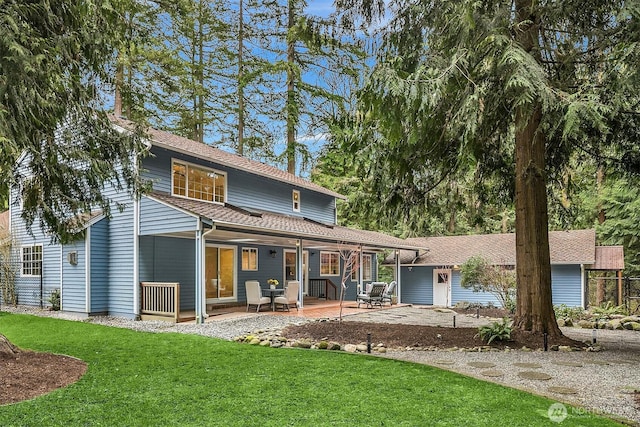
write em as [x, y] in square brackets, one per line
[323, 288]
[160, 300]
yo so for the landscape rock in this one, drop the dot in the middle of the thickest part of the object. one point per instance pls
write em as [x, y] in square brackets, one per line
[362, 348]
[585, 324]
[334, 346]
[350, 348]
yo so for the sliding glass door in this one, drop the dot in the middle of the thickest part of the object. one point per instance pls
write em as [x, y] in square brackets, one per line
[220, 274]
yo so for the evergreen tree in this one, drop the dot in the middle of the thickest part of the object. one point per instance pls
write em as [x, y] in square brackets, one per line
[305, 54]
[460, 81]
[54, 58]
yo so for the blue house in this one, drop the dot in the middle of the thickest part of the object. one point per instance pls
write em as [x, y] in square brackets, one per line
[212, 221]
[432, 276]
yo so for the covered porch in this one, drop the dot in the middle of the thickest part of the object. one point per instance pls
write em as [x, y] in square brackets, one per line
[195, 257]
[313, 309]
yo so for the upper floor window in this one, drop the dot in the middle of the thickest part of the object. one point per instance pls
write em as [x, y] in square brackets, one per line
[296, 200]
[329, 264]
[250, 259]
[366, 269]
[197, 182]
[32, 260]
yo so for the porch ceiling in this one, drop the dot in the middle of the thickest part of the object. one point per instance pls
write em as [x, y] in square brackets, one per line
[239, 225]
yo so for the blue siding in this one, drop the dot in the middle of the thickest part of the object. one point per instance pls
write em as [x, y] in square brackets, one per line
[121, 244]
[74, 278]
[245, 189]
[28, 288]
[459, 294]
[268, 268]
[158, 218]
[566, 285]
[417, 285]
[167, 259]
[99, 270]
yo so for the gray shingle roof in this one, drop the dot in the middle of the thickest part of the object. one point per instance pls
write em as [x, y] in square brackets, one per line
[244, 220]
[187, 146]
[566, 247]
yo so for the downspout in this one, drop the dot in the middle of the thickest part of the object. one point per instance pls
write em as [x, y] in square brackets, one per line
[582, 286]
[201, 309]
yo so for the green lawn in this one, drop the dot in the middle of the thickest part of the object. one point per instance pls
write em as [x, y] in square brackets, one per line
[144, 379]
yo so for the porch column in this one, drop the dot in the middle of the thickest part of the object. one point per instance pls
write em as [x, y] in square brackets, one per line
[199, 281]
[399, 283]
[299, 266]
[361, 269]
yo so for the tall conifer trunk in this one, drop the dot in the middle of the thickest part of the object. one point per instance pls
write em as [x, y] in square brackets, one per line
[292, 116]
[534, 309]
[240, 149]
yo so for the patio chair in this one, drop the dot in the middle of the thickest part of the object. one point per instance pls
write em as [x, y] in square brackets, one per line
[254, 295]
[290, 296]
[388, 293]
[374, 297]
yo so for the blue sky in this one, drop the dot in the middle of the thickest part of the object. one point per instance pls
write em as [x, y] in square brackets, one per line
[320, 7]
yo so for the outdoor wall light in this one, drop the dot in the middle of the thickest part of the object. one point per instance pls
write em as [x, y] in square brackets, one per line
[72, 257]
[273, 253]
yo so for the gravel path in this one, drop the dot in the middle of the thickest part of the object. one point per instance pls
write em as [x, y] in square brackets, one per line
[226, 328]
[599, 382]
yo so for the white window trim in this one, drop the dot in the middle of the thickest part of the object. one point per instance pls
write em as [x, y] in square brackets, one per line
[22, 248]
[354, 273]
[293, 200]
[216, 171]
[338, 256]
[242, 258]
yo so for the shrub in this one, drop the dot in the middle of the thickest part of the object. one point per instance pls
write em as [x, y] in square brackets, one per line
[605, 311]
[497, 331]
[563, 311]
[54, 299]
[479, 275]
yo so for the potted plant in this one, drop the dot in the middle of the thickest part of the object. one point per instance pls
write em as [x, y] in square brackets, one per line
[273, 283]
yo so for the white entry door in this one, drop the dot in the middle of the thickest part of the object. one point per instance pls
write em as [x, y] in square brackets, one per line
[441, 287]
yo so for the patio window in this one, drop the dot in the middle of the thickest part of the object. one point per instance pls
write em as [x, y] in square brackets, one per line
[196, 182]
[295, 196]
[329, 264]
[32, 260]
[250, 259]
[366, 270]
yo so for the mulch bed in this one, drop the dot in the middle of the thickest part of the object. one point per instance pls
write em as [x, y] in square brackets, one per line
[31, 374]
[398, 335]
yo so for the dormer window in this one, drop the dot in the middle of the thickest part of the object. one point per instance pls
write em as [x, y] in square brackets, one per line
[296, 200]
[197, 182]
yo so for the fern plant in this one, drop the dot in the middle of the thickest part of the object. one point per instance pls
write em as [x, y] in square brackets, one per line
[497, 331]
